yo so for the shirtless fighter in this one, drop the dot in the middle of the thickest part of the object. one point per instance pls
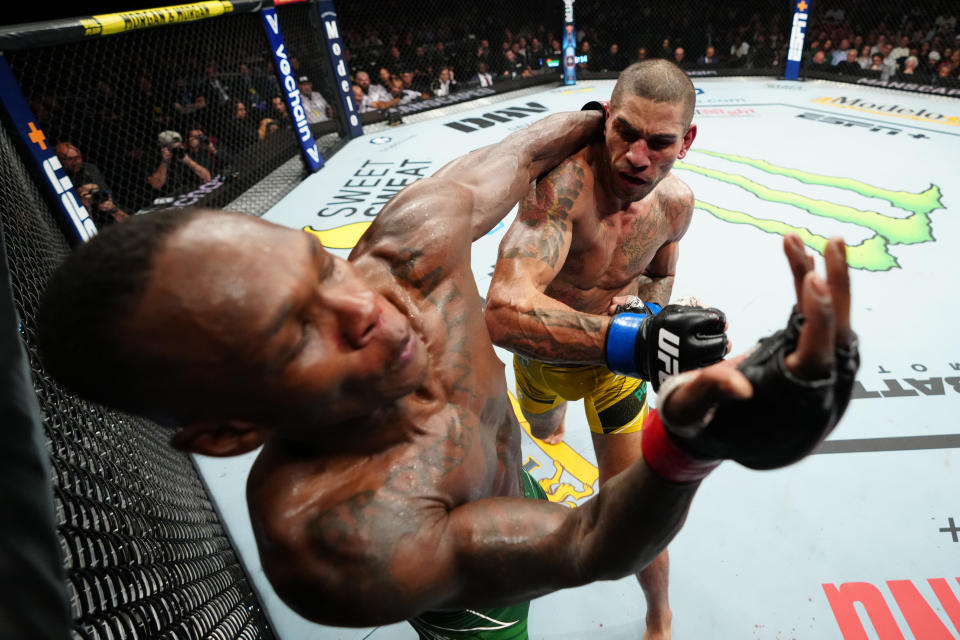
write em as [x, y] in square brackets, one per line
[390, 486]
[604, 225]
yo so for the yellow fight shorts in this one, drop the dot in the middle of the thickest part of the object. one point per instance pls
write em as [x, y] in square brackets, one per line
[614, 403]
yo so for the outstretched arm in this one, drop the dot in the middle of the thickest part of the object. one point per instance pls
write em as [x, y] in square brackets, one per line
[375, 557]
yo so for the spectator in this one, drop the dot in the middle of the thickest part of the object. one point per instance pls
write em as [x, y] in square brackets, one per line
[100, 205]
[445, 84]
[374, 94]
[641, 54]
[901, 51]
[250, 89]
[762, 54]
[440, 56]
[666, 50]
[268, 127]
[586, 53]
[149, 106]
[361, 100]
[876, 68]
[514, 67]
[536, 56]
[204, 150]
[864, 59]
[242, 131]
[177, 172]
[316, 108]
[738, 51]
[615, 60]
[819, 62]
[187, 100]
[909, 72]
[214, 91]
[678, 57]
[77, 170]
[400, 94]
[709, 58]
[381, 90]
[484, 78]
[394, 61]
[839, 54]
[279, 112]
[945, 77]
[420, 62]
[410, 84]
[849, 66]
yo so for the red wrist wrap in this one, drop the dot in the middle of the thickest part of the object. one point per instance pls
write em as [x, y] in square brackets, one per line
[666, 459]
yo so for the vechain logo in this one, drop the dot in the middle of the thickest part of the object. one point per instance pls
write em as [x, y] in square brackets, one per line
[894, 110]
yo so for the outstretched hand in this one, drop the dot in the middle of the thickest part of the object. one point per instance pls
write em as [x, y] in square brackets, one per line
[812, 379]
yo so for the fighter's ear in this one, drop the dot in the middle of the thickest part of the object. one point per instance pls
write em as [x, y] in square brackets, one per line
[687, 140]
[219, 438]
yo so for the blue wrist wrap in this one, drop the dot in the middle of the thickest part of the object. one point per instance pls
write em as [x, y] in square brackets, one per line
[621, 338]
[653, 307]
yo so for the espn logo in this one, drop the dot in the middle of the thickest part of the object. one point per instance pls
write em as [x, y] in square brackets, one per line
[668, 352]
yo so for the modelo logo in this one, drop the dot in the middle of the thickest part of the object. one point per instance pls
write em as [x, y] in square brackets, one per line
[507, 114]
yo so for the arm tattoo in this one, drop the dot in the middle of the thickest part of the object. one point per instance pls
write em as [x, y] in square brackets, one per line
[546, 211]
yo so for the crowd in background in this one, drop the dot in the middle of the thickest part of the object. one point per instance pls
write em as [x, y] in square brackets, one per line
[172, 125]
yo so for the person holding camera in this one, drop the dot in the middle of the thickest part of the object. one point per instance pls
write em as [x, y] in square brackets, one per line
[177, 172]
[98, 201]
[204, 150]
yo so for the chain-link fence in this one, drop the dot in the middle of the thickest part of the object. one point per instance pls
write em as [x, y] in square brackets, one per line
[896, 44]
[145, 553]
[174, 115]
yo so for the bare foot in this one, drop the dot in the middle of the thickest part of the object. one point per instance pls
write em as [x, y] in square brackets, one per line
[557, 436]
[659, 630]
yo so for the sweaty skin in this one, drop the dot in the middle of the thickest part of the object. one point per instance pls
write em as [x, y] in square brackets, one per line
[398, 491]
[605, 223]
[595, 228]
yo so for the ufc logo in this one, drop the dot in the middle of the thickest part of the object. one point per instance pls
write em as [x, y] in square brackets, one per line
[668, 352]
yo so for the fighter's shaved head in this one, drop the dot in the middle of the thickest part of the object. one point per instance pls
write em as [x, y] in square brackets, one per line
[658, 80]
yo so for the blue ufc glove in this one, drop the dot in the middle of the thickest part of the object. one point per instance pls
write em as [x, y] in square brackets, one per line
[657, 343]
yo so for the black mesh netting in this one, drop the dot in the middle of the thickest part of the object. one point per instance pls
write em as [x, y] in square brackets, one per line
[145, 553]
[175, 115]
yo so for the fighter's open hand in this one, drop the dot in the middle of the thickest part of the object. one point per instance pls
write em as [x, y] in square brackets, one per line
[773, 405]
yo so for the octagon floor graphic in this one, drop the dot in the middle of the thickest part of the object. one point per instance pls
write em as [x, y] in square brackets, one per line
[861, 540]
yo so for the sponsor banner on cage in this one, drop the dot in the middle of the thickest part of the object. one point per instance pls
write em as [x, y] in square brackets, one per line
[111, 23]
[55, 181]
[331, 35]
[290, 91]
[798, 31]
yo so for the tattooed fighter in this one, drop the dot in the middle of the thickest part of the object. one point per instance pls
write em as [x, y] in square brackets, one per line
[389, 485]
[604, 225]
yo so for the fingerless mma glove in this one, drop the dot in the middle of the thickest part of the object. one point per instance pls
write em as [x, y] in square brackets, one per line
[786, 419]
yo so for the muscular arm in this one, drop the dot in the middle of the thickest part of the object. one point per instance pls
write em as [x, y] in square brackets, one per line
[499, 175]
[468, 196]
[376, 558]
[519, 315]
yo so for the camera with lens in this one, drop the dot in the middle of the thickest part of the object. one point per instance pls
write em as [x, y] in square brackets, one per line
[178, 152]
[98, 196]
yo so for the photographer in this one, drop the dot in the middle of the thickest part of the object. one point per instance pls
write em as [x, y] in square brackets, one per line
[99, 204]
[204, 150]
[177, 172]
